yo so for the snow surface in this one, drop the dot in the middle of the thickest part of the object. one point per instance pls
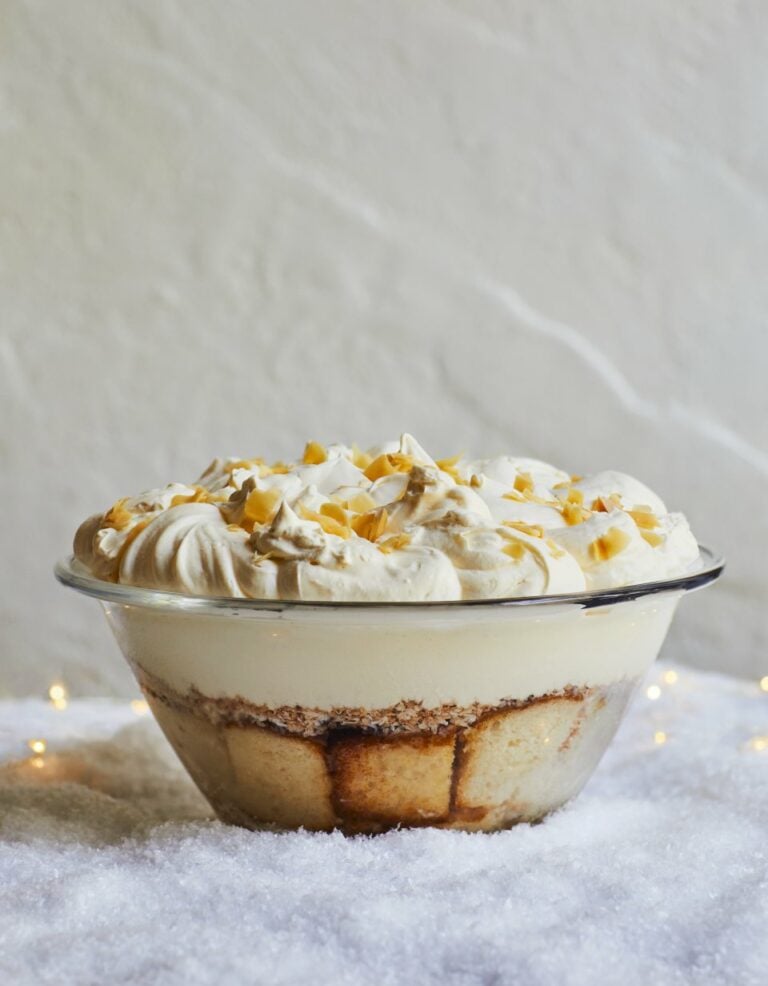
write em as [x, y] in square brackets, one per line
[112, 871]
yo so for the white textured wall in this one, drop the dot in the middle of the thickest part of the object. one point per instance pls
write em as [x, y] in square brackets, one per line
[504, 226]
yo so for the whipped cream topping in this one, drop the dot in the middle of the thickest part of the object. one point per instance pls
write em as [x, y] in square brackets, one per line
[389, 524]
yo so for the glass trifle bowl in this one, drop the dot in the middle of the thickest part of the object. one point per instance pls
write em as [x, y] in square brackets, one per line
[357, 716]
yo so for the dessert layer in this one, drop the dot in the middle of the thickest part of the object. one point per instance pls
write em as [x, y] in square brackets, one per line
[477, 768]
[389, 524]
[354, 658]
[407, 716]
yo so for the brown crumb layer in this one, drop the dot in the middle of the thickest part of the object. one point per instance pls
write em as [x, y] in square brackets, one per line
[406, 717]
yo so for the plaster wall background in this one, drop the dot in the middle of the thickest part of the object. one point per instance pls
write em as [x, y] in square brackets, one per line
[539, 227]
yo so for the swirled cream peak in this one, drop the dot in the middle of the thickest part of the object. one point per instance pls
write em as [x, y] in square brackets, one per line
[388, 524]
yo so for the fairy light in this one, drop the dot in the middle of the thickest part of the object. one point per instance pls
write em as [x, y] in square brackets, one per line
[37, 746]
[758, 743]
[670, 677]
[139, 707]
[653, 692]
[58, 695]
[764, 684]
[660, 738]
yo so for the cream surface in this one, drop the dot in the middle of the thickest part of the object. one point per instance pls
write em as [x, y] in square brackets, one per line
[388, 524]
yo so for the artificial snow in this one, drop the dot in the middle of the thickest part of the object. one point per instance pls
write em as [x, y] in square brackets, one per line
[112, 870]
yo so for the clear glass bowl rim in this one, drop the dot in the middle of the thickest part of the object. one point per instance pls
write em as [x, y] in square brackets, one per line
[69, 572]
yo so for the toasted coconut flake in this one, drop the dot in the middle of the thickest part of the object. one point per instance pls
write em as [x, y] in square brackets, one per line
[605, 504]
[575, 496]
[329, 524]
[380, 467]
[360, 503]
[574, 514]
[452, 470]
[610, 544]
[653, 539]
[388, 464]
[576, 479]
[524, 482]
[523, 492]
[261, 506]
[314, 454]
[117, 517]
[533, 530]
[400, 461]
[394, 543]
[201, 495]
[370, 525]
[448, 465]
[279, 469]
[646, 520]
[334, 510]
[359, 458]
[475, 481]
[514, 549]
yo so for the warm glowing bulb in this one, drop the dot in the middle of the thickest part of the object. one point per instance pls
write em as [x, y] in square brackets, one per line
[58, 695]
[140, 707]
[36, 745]
[660, 738]
[759, 743]
[653, 692]
[37, 762]
[670, 677]
[764, 683]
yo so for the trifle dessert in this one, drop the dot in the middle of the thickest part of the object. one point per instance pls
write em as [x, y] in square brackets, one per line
[364, 639]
